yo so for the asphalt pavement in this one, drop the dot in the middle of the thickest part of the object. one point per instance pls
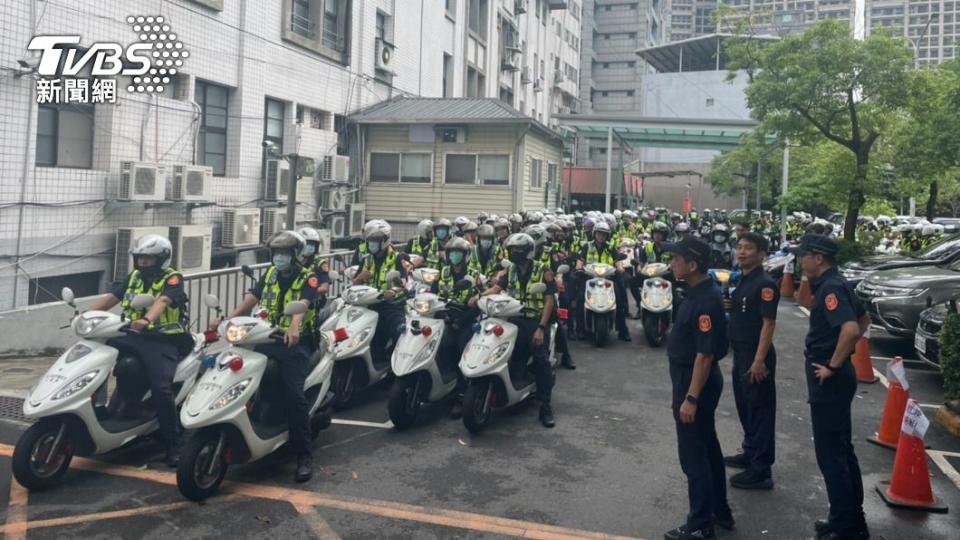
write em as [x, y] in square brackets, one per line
[609, 468]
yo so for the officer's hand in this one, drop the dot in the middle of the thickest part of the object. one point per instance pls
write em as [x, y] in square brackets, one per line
[538, 338]
[472, 302]
[688, 412]
[758, 372]
[139, 325]
[822, 372]
[214, 323]
[727, 304]
[364, 275]
[292, 337]
[388, 295]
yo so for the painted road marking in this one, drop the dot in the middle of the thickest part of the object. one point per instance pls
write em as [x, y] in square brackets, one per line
[319, 526]
[383, 425]
[939, 457]
[392, 510]
[16, 512]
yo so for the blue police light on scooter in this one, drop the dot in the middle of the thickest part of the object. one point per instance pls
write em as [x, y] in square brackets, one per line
[476, 328]
[209, 361]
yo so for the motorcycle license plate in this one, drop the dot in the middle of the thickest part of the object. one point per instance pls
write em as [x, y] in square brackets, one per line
[478, 347]
[920, 343]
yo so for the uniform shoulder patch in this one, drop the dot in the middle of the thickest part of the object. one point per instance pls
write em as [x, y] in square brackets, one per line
[767, 294]
[705, 323]
[173, 280]
[831, 302]
[313, 282]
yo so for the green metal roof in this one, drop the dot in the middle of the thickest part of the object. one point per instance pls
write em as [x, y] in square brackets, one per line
[649, 132]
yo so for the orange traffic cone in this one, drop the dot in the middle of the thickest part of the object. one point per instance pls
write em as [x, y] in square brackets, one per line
[806, 296]
[909, 485]
[893, 408]
[863, 363]
[786, 285]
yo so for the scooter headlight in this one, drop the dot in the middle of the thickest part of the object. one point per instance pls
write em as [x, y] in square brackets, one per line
[357, 339]
[353, 315]
[76, 352]
[497, 353]
[236, 332]
[230, 395]
[83, 326]
[76, 385]
[422, 306]
[495, 308]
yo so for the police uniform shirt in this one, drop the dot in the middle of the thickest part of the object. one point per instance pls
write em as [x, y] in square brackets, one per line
[173, 289]
[833, 305]
[308, 293]
[522, 278]
[755, 298]
[608, 248]
[457, 275]
[701, 326]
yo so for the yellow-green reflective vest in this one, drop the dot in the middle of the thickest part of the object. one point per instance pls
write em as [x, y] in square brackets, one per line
[173, 320]
[274, 304]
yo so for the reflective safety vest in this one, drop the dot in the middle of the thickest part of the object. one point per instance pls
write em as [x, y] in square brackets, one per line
[417, 247]
[596, 256]
[379, 274]
[447, 283]
[173, 320]
[433, 254]
[533, 303]
[475, 266]
[651, 253]
[274, 304]
[320, 265]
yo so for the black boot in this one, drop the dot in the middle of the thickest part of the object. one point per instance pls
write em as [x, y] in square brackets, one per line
[457, 410]
[546, 416]
[304, 468]
[625, 336]
[172, 458]
[567, 362]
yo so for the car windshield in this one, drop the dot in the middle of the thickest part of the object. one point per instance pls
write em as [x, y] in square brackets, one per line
[955, 266]
[942, 249]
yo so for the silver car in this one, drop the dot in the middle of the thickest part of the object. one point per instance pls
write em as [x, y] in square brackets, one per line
[895, 298]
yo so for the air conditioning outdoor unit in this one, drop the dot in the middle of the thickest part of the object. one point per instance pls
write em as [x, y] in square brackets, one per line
[538, 85]
[273, 220]
[191, 182]
[335, 169]
[338, 226]
[510, 60]
[334, 199]
[141, 182]
[384, 56]
[240, 228]
[357, 214]
[277, 180]
[192, 247]
[326, 240]
[453, 135]
[525, 77]
[519, 7]
[126, 238]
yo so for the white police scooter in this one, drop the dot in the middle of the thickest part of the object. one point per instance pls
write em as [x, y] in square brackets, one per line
[236, 412]
[353, 327]
[420, 377]
[70, 400]
[486, 360]
[600, 301]
[656, 303]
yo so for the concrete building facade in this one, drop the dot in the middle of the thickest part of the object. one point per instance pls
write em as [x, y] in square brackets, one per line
[931, 26]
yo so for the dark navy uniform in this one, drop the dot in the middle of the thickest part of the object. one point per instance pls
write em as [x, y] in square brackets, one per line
[834, 304]
[755, 299]
[700, 328]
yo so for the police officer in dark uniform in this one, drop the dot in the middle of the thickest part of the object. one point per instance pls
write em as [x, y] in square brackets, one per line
[753, 318]
[837, 320]
[697, 342]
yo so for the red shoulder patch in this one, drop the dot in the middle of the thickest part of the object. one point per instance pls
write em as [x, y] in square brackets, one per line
[313, 282]
[767, 294]
[831, 302]
[173, 280]
[705, 323]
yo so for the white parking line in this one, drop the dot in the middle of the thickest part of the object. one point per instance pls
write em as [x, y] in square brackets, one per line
[881, 376]
[359, 423]
[939, 457]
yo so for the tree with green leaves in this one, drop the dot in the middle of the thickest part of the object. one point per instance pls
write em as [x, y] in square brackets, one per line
[825, 84]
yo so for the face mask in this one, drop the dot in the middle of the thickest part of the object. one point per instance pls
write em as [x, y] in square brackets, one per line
[442, 234]
[486, 243]
[719, 238]
[373, 247]
[309, 250]
[456, 257]
[283, 262]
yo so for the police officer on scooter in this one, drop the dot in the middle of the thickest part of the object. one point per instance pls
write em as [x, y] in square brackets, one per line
[462, 316]
[160, 335]
[380, 261]
[600, 251]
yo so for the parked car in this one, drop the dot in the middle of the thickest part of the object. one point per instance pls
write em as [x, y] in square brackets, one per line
[944, 251]
[927, 339]
[895, 298]
[950, 225]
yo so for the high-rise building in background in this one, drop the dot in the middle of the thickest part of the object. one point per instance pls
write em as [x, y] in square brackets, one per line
[931, 26]
[691, 18]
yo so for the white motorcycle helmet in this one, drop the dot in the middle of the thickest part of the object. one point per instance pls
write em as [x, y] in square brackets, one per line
[153, 245]
[425, 228]
[312, 239]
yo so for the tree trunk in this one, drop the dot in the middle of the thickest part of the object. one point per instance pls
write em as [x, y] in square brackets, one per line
[856, 199]
[932, 201]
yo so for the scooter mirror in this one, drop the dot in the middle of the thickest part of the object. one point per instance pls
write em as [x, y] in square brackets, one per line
[351, 272]
[67, 295]
[247, 271]
[563, 269]
[295, 308]
[142, 301]
[211, 301]
[538, 288]
[333, 275]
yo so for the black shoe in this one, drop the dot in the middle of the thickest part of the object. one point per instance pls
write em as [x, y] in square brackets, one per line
[304, 468]
[724, 519]
[738, 461]
[857, 533]
[457, 410]
[751, 480]
[639, 315]
[625, 336]
[567, 362]
[172, 459]
[822, 527]
[581, 335]
[681, 533]
[546, 416]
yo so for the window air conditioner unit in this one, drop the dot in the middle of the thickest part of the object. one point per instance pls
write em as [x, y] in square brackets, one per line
[191, 182]
[305, 191]
[338, 226]
[453, 135]
[334, 199]
[273, 220]
[277, 181]
[525, 77]
[126, 238]
[357, 214]
[384, 56]
[519, 7]
[556, 4]
[192, 248]
[335, 169]
[141, 182]
[538, 85]
[240, 228]
[510, 60]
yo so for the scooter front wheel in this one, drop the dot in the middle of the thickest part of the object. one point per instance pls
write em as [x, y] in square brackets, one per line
[43, 454]
[652, 329]
[344, 384]
[477, 406]
[203, 465]
[404, 403]
[601, 330]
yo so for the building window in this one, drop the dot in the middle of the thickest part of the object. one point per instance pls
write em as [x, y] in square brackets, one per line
[451, 8]
[473, 84]
[472, 169]
[273, 120]
[302, 20]
[408, 167]
[536, 170]
[47, 289]
[65, 136]
[212, 143]
[553, 175]
[447, 75]
[384, 167]
[477, 21]
[319, 25]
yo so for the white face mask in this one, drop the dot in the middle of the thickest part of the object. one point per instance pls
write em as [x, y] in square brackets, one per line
[719, 238]
[309, 250]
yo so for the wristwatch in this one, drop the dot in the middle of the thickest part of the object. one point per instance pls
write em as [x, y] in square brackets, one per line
[691, 400]
[542, 327]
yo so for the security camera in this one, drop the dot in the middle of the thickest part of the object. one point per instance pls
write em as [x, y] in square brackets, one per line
[271, 148]
[29, 63]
